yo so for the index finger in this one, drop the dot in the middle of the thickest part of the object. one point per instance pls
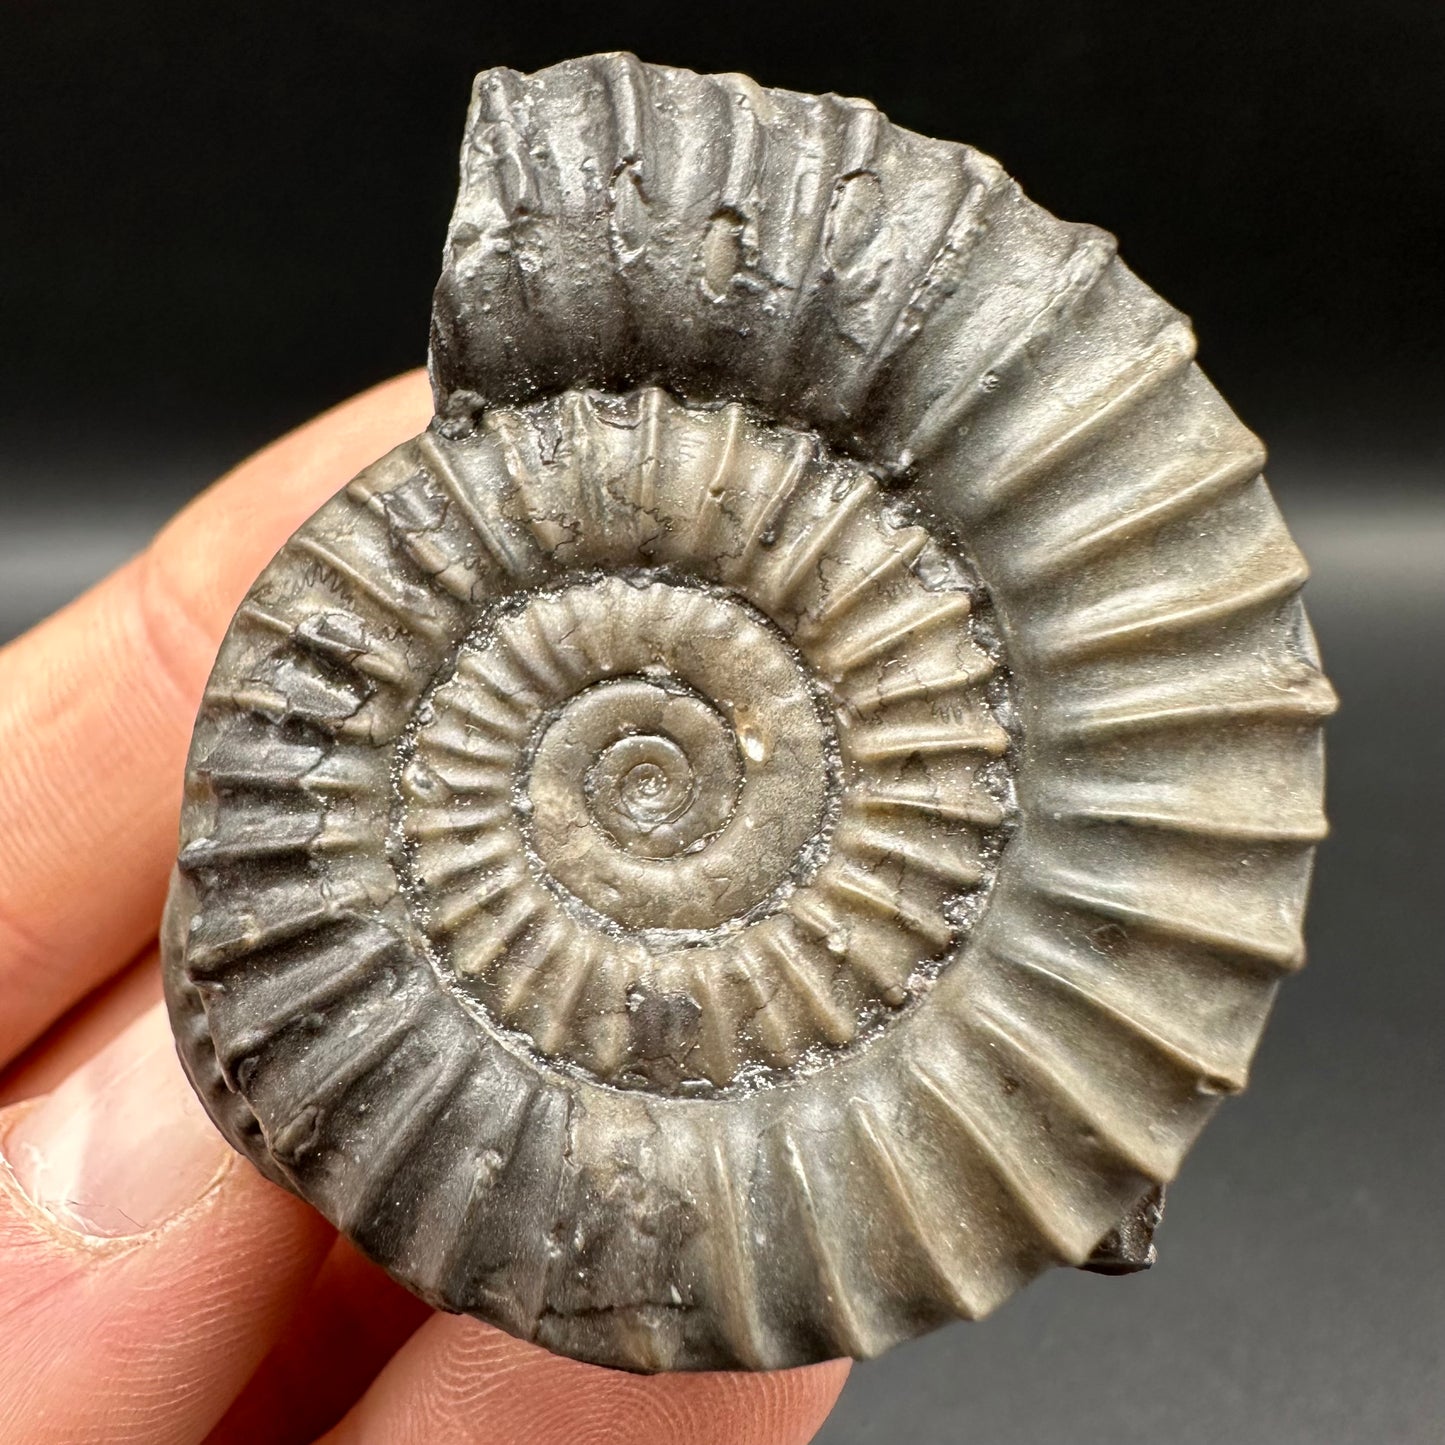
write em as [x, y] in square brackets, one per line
[97, 704]
[460, 1382]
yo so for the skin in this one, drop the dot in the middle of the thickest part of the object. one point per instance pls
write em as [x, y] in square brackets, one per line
[153, 1288]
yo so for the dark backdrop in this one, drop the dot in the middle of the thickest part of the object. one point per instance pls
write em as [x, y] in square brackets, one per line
[214, 221]
[217, 219]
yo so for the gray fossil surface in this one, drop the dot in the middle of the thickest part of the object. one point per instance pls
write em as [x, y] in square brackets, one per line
[780, 815]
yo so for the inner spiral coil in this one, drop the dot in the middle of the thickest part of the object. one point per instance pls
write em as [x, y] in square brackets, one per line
[711, 795]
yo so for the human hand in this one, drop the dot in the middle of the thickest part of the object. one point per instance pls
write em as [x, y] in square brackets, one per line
[153, 1287]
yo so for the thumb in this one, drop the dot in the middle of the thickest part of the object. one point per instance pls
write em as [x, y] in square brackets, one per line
[144, 1268]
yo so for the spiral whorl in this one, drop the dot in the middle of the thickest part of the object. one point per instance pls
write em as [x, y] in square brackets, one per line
[778, 817]
[718, 765]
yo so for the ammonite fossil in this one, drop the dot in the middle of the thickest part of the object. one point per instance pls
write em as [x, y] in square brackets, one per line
[780, 815]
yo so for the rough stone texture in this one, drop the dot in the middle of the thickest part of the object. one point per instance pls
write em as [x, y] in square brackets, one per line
[779, 816]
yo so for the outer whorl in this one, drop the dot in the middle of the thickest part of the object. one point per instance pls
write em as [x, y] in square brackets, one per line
[779, 816]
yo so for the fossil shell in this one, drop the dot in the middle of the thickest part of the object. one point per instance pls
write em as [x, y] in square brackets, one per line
[779, 816]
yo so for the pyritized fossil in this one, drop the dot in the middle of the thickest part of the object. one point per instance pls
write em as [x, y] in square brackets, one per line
[776, 818]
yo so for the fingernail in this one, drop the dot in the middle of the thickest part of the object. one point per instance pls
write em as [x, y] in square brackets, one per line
[122, 1145]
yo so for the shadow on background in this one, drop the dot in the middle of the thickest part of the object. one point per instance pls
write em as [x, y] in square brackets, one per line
[239, 221]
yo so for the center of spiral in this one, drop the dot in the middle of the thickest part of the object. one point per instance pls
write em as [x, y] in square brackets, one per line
[658, 765]
[641, 781]
[649, 768]
[640, 789]
[659, 749]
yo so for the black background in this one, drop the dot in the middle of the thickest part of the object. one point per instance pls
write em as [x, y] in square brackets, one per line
[219, 219]
[215, 221]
